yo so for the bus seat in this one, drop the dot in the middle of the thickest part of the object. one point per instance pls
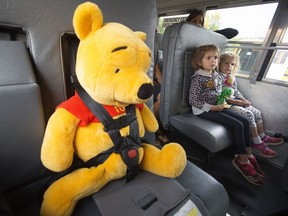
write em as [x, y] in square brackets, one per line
[179, 43]
[21, 116]
[34, 80]
[159, 49]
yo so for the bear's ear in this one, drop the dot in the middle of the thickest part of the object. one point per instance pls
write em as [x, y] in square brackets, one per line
[87, 17]
[141, 35]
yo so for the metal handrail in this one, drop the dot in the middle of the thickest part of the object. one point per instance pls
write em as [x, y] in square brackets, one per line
[260, 48]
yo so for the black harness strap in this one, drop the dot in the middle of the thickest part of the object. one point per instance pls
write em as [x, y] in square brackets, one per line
[126, 146]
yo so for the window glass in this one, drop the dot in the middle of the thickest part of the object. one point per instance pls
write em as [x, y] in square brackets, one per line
[252, 22]
[247, 57]
[165, 21]
[285, 39]
[278, 69]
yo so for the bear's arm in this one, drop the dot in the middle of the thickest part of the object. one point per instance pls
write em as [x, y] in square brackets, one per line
[149, 119]
[57, 147]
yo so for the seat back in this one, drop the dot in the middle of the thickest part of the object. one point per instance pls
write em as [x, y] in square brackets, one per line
[22, 118]
[179, 42]
[159, 49]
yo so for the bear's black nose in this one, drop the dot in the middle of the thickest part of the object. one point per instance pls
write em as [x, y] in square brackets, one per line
[145, 91]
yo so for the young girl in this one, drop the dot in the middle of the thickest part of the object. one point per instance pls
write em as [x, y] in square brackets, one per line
[228, 65]
[204, 90]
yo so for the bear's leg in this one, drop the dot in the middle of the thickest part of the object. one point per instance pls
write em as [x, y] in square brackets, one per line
[169, 162]
[62, 196]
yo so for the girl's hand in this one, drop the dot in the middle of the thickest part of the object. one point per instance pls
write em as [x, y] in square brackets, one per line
[246, 103]
[240, 103]
[217, 108]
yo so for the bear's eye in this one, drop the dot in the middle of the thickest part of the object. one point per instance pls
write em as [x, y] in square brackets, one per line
[117, 70]
[119, 48]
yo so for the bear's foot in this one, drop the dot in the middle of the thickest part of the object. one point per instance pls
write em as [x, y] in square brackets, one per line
[62, 196]
[169, 162]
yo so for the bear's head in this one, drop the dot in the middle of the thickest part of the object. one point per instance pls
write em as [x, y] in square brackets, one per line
[112, 60]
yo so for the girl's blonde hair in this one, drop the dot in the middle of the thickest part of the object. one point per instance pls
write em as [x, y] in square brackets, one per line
[199, 54]
[226, 56]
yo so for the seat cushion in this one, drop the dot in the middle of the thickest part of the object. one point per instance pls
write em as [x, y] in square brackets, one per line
[211, 135]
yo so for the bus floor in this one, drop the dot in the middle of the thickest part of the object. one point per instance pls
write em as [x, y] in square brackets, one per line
[246, 199]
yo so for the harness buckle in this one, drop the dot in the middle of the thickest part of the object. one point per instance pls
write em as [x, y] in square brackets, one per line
[130, 155]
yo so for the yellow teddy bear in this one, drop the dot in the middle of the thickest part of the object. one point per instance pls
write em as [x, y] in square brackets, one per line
[111, 66]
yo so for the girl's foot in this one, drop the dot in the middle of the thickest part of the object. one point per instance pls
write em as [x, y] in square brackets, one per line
[256, 166]
[264, 150]
[272, 140]
[248, 171]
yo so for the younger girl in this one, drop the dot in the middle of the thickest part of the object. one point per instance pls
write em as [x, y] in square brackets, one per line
[228, 65]
[204, 90]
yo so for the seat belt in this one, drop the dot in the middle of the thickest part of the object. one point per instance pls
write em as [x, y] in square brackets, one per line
[127, 146]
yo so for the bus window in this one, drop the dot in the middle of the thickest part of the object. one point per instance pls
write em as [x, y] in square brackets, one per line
[262, 56]
[278, 69]
[165, 21]
[285, 38]
[252, 22]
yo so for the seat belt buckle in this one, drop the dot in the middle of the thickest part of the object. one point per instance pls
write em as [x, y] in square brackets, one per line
[130, 156]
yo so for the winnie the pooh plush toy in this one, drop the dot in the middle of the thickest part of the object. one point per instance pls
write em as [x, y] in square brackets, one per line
[111, 66]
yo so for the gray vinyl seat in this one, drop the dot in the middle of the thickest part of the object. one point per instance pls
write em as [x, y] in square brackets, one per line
[22, 128]
[34, 79]
[179, 42]
[159, 49]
